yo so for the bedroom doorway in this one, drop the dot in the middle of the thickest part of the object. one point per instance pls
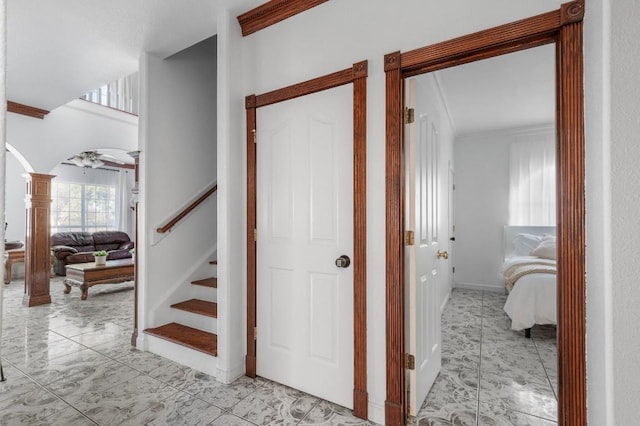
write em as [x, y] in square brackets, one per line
[563, 28]
[495, 119]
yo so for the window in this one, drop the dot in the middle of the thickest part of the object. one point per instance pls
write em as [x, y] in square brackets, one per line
[83, 207]
[532, 182]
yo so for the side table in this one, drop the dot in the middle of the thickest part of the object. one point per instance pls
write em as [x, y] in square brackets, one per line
[11, 257]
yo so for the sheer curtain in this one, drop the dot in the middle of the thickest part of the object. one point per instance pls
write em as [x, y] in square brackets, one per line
[122, 180]
[532, 183]
[124, 218]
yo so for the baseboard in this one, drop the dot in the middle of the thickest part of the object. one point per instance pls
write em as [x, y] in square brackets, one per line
[376, 412]
[229, 376]
[478, 286]
[182, 355]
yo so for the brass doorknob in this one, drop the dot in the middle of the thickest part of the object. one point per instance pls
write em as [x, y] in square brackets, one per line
[443, 255]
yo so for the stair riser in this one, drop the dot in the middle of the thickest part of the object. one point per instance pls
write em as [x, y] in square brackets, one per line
[193, 320]
[199, 292]
[183, 355]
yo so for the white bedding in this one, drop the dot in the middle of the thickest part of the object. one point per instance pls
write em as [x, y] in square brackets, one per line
[533, 297]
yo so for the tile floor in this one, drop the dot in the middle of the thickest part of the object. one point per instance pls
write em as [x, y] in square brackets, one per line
[70, 363]
[491, 375]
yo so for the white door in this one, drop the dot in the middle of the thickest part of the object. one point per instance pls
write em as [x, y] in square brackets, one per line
[304, 223]
[422, 216]
[451, 187]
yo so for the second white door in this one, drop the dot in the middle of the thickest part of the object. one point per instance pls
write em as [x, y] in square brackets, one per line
[304, 223]
[421, 259]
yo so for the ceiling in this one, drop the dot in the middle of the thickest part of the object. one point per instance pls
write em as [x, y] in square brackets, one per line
[59, 50]
[509, 91]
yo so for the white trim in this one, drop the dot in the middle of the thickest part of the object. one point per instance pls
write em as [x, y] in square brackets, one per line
[542, 128]
[480, 286]
[102, 111]
[376, 413]
[445, 103]
[21, 159]
[183, 355]
[229, 376]
[443, 305]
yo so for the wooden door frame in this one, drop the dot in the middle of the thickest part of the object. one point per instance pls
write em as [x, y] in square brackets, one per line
[564, 28]
[357, 75]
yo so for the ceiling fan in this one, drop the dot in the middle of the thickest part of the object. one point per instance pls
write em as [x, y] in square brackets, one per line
[93, 159]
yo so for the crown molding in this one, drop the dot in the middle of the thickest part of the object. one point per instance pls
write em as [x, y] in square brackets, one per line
[272, 12]
[26, 110]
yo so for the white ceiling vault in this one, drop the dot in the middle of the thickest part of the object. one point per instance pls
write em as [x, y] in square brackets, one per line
[508, 91]
[59, 50]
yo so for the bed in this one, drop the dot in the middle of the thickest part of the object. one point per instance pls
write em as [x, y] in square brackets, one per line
[529, 271]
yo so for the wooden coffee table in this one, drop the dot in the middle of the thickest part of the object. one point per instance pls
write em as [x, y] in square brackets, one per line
[85, 275]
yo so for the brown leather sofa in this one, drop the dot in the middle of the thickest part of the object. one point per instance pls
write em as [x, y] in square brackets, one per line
[78, 247]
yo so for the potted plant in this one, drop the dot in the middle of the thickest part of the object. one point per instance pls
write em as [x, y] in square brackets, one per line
[100, 257]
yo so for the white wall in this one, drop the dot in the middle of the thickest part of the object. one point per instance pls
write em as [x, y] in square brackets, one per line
[625, 203]
[177, 162]
[331, 37]
[481, 203]
[599, 199]
[72, 128]
[14, 199]
[232, 200]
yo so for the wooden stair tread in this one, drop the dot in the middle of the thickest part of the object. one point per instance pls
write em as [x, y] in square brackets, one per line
[198, 306]
[207, 282]
[187, 336]
[213, 262]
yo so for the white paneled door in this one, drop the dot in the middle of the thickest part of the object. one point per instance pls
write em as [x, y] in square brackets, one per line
[421, 258]
[304, 223]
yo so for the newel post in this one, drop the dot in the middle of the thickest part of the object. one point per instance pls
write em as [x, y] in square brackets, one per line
[37, 266]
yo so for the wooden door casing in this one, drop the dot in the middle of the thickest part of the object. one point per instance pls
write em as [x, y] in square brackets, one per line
[356, 75]
[564, 28]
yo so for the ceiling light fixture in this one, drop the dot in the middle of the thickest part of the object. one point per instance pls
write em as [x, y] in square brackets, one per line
[87, 159]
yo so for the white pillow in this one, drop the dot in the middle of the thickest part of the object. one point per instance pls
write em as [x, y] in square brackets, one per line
[523, 244]
[547, 248]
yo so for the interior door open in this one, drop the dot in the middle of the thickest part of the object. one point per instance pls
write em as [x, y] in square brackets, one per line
[421, 257]
[304, 225]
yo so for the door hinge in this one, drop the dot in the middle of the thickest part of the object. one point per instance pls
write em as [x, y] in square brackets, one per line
[409, 115]
[409, 362]
[255, 234]
[453, 270]
[255, 138]
[255, 333]
[409, 238]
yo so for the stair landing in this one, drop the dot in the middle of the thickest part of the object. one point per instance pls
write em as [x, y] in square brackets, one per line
[186, 336]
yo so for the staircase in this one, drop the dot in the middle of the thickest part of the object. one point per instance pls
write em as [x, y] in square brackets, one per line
[194, 328]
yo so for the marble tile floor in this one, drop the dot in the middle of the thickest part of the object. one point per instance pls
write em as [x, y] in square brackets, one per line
[490, 374]
[71, 363]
